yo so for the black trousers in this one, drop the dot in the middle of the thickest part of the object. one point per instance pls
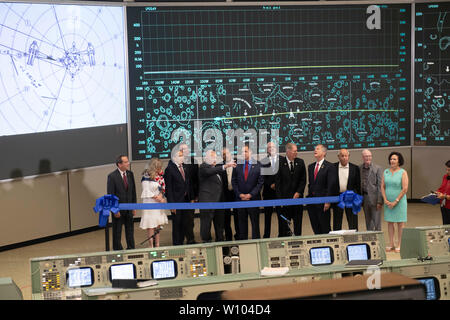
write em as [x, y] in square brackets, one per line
[125, 219]
[228, 215]
[207, 217]
[320, 220]
[243, 214]
[338, 214]
[268, 220]
[182, 226]
[445, 215]
[188, 225]
[291, 213]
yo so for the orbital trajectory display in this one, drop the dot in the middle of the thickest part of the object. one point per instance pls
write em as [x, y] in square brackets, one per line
[318, 74]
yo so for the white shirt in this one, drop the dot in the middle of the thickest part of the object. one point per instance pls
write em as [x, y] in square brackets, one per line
[343, 177]
[273, 161]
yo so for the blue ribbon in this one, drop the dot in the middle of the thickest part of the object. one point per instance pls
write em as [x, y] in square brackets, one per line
[350, 199]
[104, 205]
[111, 203]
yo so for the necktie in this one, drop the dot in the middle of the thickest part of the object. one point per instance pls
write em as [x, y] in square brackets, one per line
[246, 170]
[291, 166]
[125, 182]
[182, 171]
[316, 170]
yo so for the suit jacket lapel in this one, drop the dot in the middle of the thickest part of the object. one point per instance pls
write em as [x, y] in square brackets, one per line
[351, 174]
[337, 170]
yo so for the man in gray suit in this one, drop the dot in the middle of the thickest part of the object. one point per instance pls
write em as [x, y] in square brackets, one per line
[371, 176]
[211, 190]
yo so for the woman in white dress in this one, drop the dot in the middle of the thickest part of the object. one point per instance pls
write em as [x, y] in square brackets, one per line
[153, 189]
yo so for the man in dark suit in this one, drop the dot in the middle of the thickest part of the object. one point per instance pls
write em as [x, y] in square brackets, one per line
[247, 183]
[322, 179]
[211, 190]
[290, 183]
[347, 178]
[229, 197]
[178, 189]
[192, 167]
[121, 184]
[270, 165]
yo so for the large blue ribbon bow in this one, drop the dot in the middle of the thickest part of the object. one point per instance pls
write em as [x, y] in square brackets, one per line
[350, 199]
[104, 205]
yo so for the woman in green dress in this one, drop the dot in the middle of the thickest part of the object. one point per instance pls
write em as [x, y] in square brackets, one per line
[394, 186]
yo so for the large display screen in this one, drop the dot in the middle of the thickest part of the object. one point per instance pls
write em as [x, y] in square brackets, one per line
[337, 75]
[63, 87]
[63, 67]
[432, 74]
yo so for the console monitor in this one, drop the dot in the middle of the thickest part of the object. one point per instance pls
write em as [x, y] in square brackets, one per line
[432, 287]
[122, 271]
[164, 269]
[321, 256]
[358, 252]
[80, 277]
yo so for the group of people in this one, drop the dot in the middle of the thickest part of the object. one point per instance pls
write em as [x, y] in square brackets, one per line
[274, 177]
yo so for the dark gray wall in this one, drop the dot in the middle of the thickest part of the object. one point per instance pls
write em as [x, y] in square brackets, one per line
[31, 154]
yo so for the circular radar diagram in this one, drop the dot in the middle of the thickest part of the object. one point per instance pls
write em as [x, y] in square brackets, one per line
[62, 67]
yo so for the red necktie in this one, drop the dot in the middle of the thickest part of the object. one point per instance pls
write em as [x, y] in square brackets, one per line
[182, 171]
[316, 170]
[246, 170]
[125, 182]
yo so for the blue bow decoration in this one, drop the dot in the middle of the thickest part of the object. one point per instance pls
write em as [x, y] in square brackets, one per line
[104, 205]
[350, 199]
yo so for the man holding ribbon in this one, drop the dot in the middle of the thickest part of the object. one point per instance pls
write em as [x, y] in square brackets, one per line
[348, 178]
[121, 184]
